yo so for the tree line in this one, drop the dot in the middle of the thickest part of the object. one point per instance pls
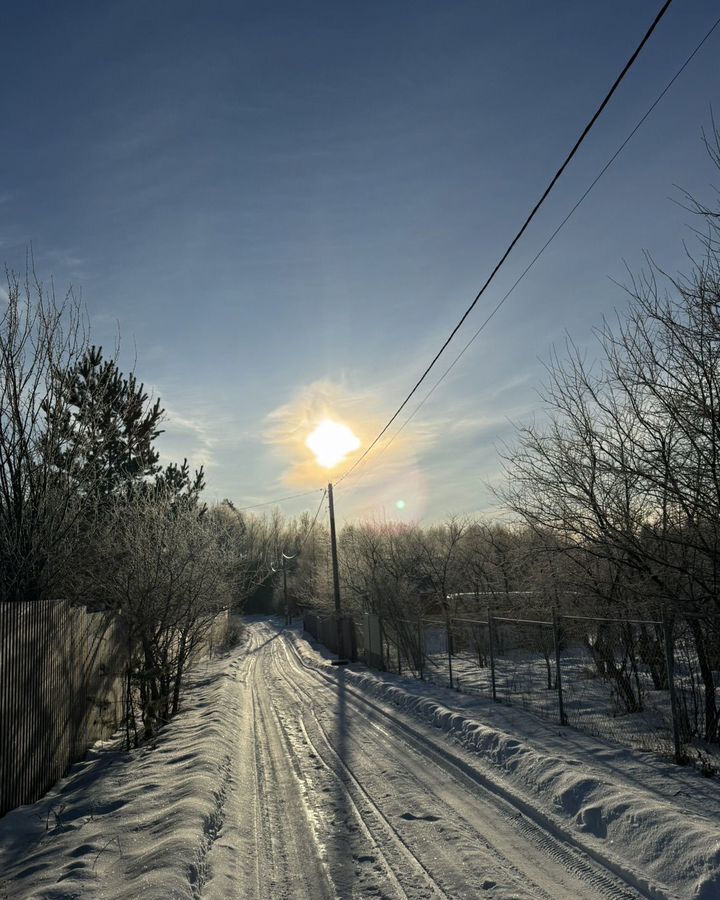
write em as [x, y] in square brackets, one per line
[88, 513]
[615, 490]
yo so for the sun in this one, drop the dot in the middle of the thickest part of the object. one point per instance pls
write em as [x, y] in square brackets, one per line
[331, 442]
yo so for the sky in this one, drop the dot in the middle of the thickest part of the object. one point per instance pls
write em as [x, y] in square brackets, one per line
[280, 210]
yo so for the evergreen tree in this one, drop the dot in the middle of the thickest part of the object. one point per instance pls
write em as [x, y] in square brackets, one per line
[109, 427]
[174, 482]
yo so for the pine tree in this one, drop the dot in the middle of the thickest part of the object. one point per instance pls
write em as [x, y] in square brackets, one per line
[109, 427]
[175, 482]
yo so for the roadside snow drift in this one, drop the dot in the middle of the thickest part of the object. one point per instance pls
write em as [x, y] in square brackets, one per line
[125, 825]
[156, 822]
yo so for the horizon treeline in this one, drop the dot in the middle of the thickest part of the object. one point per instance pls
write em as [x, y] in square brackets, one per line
[614, 491]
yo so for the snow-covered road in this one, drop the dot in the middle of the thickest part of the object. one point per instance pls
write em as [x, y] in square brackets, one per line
[341, 798]
[286, 777]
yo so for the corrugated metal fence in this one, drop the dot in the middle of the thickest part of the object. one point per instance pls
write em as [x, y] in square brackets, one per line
[325, 630]
[61, 689]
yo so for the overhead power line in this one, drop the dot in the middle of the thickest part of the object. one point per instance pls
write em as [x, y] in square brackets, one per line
[307, 534]
[314, 521]
[279, 500]
[598, 112]
[552, 237]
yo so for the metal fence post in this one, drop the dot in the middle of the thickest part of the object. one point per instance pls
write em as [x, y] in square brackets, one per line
[667, 628]
[421, 648]
[491, 647]
[381, 629]
[449, 648]
[558, 675]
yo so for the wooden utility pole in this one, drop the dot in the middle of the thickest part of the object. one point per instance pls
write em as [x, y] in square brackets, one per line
[287, 608]
[336, 572]
[283, 558]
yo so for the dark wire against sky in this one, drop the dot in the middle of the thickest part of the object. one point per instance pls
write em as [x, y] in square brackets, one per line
[268, 196]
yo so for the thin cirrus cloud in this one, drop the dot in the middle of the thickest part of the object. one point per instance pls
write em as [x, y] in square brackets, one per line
[289, 425]
[187, 438]
[389, 483]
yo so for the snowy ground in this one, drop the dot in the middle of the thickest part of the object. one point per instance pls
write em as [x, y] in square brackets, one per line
[588, 700]
[590, 703]
[285, 777]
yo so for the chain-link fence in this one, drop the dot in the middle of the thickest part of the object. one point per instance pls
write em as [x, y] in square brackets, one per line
[401, 646]
[650, 684]
[615, 679]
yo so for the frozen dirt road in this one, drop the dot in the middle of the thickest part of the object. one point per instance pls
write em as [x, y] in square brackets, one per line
[332, 794]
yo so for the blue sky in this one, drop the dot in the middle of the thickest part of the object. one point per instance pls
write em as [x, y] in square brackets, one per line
[285, 207]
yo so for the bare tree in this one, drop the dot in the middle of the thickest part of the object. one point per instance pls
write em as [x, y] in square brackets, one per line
[44, 504]
[440, 560]
[165, 569]
[625, 474]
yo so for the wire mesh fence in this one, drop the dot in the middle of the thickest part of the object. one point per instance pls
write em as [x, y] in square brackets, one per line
[525, 664]
[615, 680]
[650, 684]
[696, 653]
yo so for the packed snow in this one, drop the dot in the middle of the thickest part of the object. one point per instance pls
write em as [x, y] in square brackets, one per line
[285, 776]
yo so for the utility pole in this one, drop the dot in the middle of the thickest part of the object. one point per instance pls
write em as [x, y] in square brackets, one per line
[336, 573]
[287, 607]
[284, 557]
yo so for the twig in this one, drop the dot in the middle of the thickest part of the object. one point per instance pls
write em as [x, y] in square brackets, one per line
[113, 840]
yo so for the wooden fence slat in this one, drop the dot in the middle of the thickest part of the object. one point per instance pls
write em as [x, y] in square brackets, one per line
[53, 692]
[5, 720]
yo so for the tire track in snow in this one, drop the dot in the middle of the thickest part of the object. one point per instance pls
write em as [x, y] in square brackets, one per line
[268, 850]
[352, 786]
[320, 829]
[588, 870]
[292, 854]
[513, 874]
[499, 861]
[377, 851]
[547, 845]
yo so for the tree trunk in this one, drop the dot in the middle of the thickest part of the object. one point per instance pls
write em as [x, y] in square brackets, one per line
[706, 673]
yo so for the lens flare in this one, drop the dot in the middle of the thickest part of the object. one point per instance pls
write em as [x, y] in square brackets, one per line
[331, 442]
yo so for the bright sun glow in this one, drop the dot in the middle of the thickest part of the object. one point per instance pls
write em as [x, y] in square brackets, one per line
[331, 442]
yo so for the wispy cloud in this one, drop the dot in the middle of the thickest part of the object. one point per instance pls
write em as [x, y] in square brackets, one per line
[390, 481]
[450, 459]
[288, 426]
[188, 438]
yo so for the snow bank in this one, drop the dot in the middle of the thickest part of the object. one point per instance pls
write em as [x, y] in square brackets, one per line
[664, 850]
[142, 824]
[135, 824]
